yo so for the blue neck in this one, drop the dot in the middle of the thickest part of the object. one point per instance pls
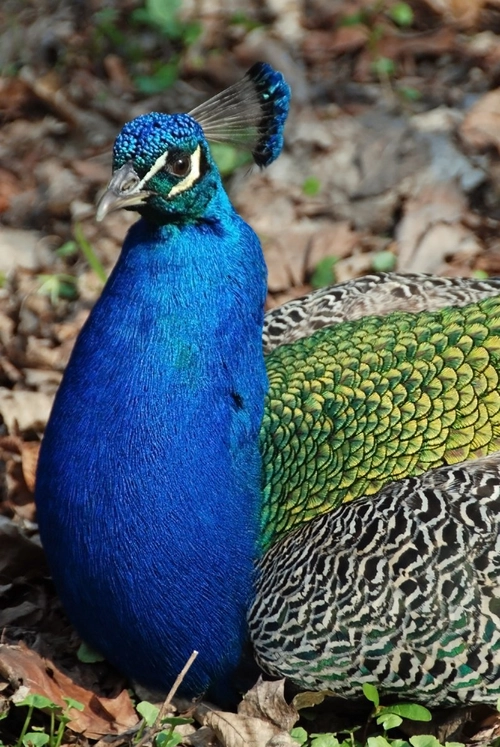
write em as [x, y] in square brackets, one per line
[149, 481]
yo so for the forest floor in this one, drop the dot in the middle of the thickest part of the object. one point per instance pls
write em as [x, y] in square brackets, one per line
[391, 162]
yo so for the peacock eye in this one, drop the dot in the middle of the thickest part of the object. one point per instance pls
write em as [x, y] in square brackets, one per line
[179, 165]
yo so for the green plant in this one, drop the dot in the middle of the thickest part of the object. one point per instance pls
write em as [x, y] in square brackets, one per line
[384, 261]
[377, 18]
[324, 272]
[166, 737]
[89, 253]
[387, 717]
[59, 717]
[311, 186]
[228, 158]
[57, 285]
[164, 17]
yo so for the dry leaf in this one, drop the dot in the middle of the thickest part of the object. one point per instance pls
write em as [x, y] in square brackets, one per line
[481, 126]
[21, 665]
[234, 730]
[21, 557]
[24, 411]
[431, 228]
[334, 240]
[463, 12]
[266, 700]
[264, 718]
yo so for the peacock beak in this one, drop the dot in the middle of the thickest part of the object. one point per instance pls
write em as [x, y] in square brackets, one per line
[124, 190]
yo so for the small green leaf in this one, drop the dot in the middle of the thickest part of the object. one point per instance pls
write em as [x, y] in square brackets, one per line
[354, 19]
[90, 255]
[370, 692]
[176, 720]
[299, 735]
[377, 742]
[72, 703]
[67, 249]
[424, 740]
[311, 186]
[483, 275]
[410, 93]
[35, 739]
[384, 261]
[58, 286]
[228, 158]
[402, 14]
[389, 720]
[148, 711]
[324, 272]
[161, 79]
[411, 711]
[38, 701]
[384, 67]
[324, 740]
[168, 739]
[88, 655]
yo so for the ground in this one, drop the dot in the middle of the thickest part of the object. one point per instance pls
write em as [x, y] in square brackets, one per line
[391, 162]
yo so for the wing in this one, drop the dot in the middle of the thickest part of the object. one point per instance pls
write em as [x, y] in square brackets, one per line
[379, 294]
[401, 590]
[364, 403]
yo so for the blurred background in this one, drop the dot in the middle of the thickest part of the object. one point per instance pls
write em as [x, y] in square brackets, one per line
[390, 163]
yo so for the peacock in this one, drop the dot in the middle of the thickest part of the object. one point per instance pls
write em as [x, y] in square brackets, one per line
[321, 481]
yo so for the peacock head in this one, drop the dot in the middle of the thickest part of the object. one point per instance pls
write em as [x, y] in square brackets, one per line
[162, 165]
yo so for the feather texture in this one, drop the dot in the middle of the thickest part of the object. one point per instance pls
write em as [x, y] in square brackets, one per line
[249, 114]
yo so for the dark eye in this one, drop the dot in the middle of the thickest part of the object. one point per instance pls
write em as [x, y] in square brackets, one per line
[179, 165]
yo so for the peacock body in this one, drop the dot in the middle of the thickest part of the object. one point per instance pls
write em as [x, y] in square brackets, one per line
[192, 491]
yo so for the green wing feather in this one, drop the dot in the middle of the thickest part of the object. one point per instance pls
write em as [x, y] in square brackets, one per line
[358, 405]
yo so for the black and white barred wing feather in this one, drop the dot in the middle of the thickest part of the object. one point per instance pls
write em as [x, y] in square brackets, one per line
[401, 590]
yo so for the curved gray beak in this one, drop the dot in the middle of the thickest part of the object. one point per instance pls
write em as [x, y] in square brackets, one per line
[124, 190]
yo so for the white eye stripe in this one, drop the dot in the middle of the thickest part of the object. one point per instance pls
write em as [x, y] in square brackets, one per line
[192, 177]
[187, 182]
[155, 168]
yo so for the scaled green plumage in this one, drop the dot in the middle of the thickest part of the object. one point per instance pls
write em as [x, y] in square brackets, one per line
[358, 405]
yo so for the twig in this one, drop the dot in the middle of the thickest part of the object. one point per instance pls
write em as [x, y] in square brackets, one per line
[163, 710]
[157, 726]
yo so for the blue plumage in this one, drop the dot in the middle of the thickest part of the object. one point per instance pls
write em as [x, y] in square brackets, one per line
[149, 479]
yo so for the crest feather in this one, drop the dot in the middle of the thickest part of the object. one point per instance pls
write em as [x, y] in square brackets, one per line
[250, 114]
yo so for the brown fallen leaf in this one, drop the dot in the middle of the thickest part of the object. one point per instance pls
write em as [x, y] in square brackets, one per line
[264, 718]
[23, 411]
[19, 459]
[234, 730]
[19, 665]
[325, 45]
[29, 461]
[431, 228]
[266, 700]
[481, 126]
[334, 240]
[465, 13]
[21, 556]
